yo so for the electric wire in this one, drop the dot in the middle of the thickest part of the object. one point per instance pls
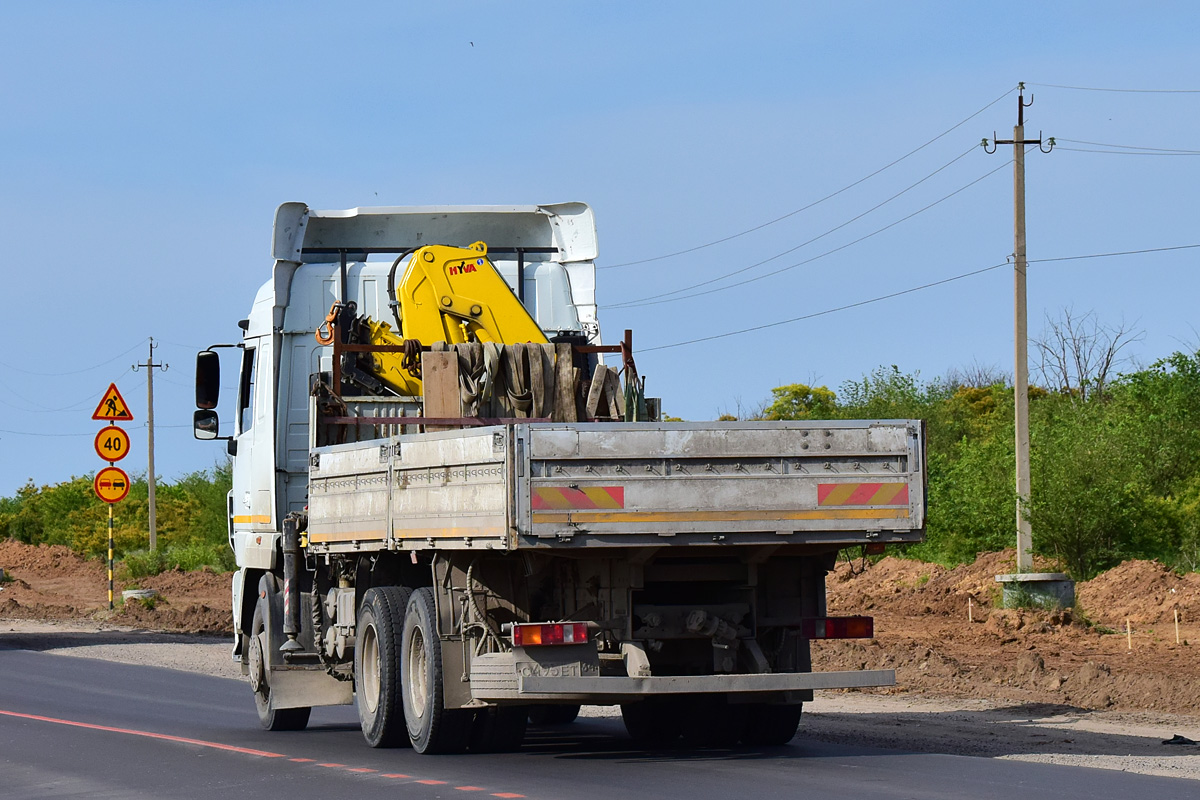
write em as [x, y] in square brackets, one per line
[827, 311]
[1129, 146]
[815, 202]
[1123, 91]
[1122, 152]
[913, 289]
[77, 371]
[1113, 254]
[72, 406]
[42, 433]
[638, 304]
[834, 229]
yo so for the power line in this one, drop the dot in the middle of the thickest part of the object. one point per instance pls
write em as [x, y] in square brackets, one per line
[73, 372]
[1124, 91]
[1122, 152]
[815, 202]
[1117, 253]
[39, 433]
[635, 304]
[915, 289]
[802, 244]
[827, 311]
[1128, 146]
[72, 406]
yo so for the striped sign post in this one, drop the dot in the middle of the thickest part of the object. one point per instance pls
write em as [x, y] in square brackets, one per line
[111, 484]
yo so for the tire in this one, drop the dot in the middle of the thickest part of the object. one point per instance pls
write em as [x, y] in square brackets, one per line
[272, 719]
[772, 725]
[711, 721]
[553, 715]
[377, 666]
[654, 722]
[499, 729]
[432, 728]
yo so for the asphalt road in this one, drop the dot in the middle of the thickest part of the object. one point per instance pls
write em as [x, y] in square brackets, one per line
[75, 727]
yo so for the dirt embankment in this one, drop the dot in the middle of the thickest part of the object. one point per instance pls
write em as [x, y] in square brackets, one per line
[942, 632]
[51, 582]
[940, 629]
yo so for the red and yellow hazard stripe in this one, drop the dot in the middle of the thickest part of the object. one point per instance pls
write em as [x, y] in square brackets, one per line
[862, 494]
[556, 498]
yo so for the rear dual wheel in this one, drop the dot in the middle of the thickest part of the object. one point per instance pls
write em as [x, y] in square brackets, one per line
[378, 667]
[431, 727]
[772, 725]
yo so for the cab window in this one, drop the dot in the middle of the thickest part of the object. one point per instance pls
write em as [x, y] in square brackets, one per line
[246, 391]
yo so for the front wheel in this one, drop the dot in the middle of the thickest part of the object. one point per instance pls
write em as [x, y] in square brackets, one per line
[378, 632]
[432, 728]
[272, 719]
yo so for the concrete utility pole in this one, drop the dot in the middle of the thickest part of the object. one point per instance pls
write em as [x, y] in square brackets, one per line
[150, 367]
[1021, 325]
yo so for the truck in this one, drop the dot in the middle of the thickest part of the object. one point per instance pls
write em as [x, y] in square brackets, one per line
[453, 505]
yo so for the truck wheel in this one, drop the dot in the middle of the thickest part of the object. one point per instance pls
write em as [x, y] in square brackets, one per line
[499, 729]
[272, 719]
[377, 667]
[654, 722]
[772, 724]
[432, 728]
[553, 715]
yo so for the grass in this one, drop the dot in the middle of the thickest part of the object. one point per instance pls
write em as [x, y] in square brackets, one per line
[188, 558]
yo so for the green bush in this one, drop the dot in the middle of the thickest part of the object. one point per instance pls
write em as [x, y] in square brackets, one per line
[1114, 475]
[190, 519]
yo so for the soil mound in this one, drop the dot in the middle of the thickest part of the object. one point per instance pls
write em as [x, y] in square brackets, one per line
[903, 586]
[1144, 592]
[45, 559]
[53, 582]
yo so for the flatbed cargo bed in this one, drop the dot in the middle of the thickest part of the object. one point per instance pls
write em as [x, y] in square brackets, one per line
[561, 486]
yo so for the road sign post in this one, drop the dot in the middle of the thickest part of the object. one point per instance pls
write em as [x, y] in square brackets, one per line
[111, 484]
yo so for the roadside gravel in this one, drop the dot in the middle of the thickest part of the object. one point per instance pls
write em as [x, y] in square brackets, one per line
[1130, 742]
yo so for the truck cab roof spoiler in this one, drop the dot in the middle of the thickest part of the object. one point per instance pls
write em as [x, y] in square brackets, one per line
[565, 230]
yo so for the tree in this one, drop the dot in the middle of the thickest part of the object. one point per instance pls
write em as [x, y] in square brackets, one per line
[800, 401]
[1079, 356]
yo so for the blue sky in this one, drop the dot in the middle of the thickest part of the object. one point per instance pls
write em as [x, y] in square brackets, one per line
[145, 146]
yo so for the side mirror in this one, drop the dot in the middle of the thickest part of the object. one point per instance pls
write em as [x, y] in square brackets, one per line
[205, 424]
[208, 381]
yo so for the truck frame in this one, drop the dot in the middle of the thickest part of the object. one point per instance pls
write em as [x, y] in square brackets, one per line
[457, 574]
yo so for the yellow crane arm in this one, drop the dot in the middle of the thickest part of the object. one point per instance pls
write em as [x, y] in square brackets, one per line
[453, 295]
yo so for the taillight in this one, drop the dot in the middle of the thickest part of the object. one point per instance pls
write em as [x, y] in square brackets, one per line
[550, 633]
[838, 628]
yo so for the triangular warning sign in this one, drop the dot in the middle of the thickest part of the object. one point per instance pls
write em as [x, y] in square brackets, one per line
[112, 406]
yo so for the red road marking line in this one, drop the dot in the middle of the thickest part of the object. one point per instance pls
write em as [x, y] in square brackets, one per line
[233, 749]
[161, 736]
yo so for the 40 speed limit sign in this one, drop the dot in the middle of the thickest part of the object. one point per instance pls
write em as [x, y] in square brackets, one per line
[112, 443]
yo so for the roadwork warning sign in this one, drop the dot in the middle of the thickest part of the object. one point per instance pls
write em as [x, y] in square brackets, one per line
[112, 406]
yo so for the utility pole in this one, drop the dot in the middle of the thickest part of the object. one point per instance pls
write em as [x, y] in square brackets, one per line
[1021, 324]
[150, 367]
